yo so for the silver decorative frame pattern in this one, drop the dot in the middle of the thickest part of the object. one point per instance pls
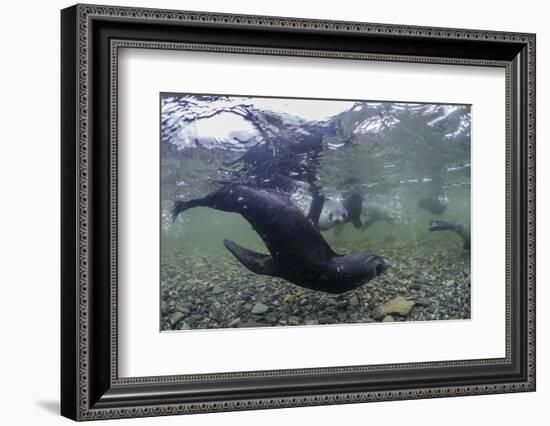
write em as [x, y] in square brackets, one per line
[86, 406]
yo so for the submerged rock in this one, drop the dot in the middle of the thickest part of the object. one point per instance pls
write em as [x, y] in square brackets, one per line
[294, 320]
[423, 302]
[378, 313]
[260, 308]
[235, 322]
[415, 285]
[398, 305]
[217, 289]
[176, 317]
[353, 301]
[289, 298]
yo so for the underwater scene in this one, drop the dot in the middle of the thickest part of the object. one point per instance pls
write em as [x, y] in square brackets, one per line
[302, 212]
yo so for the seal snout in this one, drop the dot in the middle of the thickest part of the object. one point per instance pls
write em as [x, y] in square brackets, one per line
[381, 264]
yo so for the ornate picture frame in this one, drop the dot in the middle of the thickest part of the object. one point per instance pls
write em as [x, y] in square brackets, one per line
[91, 37]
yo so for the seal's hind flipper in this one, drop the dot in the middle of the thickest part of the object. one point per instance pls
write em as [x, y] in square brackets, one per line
[177, 208]
[181, 206]
[439, 225]
[256, 262]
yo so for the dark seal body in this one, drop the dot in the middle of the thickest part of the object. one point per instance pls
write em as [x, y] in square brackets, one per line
[298, 251]
[353, 202]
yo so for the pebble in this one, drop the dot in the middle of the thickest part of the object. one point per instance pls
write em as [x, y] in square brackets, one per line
[353, 301]
[289, 298]
[398, 305]
[217, 289]
[294, 320]
[272, 317]
[415, 285]
[388, 318]
[378, 312]
[235, 322]
[176, 317]
[342, 316]
[260, 308]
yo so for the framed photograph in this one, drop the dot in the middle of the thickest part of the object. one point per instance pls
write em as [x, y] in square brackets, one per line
[263, 212]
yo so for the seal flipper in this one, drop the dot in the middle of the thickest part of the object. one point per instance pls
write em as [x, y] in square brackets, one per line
[256, 262]
[181, 206]
[367, 224]
[316, 208]
[357, 223]
[439, 225]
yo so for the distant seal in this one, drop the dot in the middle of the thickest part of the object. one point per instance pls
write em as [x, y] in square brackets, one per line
[352, 202]
[461, 229]
[375, 213]
[333, 214]
[436, 203]
[298, 251]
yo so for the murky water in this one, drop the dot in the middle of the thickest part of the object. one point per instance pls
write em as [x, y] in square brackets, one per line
[409, 162]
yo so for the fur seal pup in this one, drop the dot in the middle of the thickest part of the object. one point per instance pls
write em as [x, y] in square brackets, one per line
[436, 204]
[333, 214]
[353, 204]
[461, 229]
[298, 251]
[375, 213]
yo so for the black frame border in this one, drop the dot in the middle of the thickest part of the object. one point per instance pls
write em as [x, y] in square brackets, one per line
[90, 387]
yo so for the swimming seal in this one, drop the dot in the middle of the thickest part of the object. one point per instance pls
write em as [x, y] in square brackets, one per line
[352, 202]
[298, 251]
[461, 229]
[333, 214]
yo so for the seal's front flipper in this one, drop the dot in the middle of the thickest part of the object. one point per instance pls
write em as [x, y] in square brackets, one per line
[256, 262]
[316, 208]
[367, 224]
[357, 223]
